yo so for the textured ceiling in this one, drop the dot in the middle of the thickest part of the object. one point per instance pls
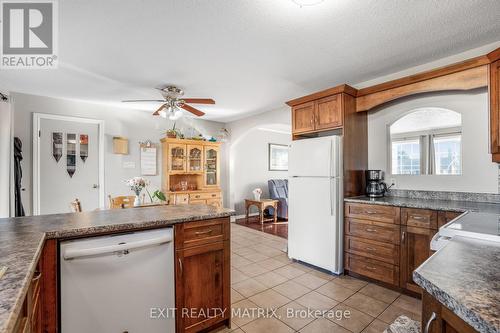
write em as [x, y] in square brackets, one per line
[249, 55]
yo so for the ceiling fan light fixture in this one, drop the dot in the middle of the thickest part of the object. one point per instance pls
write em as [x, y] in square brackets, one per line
[174, 115]
[163, 114]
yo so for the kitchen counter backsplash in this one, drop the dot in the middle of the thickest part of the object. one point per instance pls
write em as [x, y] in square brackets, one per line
[441, 195]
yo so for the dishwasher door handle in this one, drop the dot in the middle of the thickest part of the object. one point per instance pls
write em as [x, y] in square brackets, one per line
[93, 251]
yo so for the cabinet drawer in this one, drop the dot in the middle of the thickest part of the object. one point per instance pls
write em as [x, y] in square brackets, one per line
[422, 218]
[201, 232]
[382, 232]
[385, 252]
[197, 202]
[205, 195]
[386, 214]
[181, 199]
[374, 269]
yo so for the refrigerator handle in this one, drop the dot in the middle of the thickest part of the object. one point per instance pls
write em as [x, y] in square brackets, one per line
[332, 195]
[330, 158]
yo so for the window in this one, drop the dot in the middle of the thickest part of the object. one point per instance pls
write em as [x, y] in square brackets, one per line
[426, 141]
[406, 157]
[447, 154]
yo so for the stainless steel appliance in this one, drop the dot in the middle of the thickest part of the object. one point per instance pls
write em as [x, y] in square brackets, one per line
[375, 186]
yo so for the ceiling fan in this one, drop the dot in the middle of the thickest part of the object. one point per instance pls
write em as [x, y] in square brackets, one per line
[174, 103]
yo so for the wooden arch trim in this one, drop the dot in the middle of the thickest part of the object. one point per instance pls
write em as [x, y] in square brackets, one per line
[465, 80]
[467, 75]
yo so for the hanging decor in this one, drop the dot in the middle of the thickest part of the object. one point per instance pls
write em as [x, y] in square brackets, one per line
[71, 154]
[84, 146]
[57, 145]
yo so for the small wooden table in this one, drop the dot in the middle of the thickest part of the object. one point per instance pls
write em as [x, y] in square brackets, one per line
[261, 205]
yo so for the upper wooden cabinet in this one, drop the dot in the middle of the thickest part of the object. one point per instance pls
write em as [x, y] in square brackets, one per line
[328, 112]
[195, 158]
[176, 158]
[212, 166]
[303, 118]
[494, 90]
[323, 114]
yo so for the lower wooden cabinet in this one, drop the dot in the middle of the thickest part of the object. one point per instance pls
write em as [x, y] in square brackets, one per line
[387, 243]
[415, 249]
[436, 318]
[202, 275]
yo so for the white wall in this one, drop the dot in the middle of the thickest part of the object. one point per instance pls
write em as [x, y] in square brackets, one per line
[5, 150]
[135, 125]
[249, 162]
[479, 173]
[247, 150]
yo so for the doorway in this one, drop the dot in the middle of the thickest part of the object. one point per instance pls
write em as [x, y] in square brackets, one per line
[68, 163]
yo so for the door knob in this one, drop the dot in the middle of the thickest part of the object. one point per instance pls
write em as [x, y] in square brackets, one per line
[95, 186]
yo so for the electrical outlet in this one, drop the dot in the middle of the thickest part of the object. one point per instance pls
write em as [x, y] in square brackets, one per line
[393, 182]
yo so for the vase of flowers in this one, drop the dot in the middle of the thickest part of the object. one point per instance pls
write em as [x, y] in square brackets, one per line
[256, 194]
[137, 184]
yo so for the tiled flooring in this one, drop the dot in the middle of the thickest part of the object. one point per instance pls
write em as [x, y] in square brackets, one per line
[263, 277]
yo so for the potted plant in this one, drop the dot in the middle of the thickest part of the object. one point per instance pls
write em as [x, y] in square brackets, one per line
[172, 133]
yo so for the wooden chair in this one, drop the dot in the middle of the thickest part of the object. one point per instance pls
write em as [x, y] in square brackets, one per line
[122, 201]
[76, 206]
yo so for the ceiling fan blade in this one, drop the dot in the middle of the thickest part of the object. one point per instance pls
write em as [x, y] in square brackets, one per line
[193, 110]
[199, 100]
[142, 100]
[157, 112]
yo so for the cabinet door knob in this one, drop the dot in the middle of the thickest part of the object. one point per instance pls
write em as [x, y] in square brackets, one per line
[403, 234]
[180, 266]
[428, 325]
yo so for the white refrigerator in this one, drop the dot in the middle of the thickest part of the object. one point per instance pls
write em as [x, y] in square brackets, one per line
[315, 225]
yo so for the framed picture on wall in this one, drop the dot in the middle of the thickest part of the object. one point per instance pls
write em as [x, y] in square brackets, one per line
[278, 157]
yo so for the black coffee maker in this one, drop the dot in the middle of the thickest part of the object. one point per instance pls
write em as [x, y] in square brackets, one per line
[375, 186]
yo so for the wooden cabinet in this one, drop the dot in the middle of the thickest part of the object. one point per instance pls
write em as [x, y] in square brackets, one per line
[191, 169]
[303, 118]
[194, 158]
[439, 319]
[212, 166]
[445, 217]
[372, 241]
[202, 275]
[415, 249]
[328, 112]
[494, 94]
[387, 243]
[322, 114]
[176, 158]
[39, 309]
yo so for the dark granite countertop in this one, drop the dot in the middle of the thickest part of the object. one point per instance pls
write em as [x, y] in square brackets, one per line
[465, 277]
[22, 239]
[446, 205]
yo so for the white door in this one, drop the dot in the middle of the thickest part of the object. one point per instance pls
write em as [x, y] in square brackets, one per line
[57, 188]
[314, 225]
[318, 157]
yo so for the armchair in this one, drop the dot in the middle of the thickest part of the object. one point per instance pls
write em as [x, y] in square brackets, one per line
[278, 190]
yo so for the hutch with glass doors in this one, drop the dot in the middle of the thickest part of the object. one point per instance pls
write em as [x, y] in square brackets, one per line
[191, 171]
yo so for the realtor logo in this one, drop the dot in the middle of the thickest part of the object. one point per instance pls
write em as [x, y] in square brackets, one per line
[29, 34]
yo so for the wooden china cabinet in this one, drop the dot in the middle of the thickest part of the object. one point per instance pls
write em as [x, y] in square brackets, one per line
[191, 172]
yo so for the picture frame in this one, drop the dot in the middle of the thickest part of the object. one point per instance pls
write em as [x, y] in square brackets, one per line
[278, 157]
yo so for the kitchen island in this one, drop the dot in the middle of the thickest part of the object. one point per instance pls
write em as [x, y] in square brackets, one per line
[464, 278]
[30, 243]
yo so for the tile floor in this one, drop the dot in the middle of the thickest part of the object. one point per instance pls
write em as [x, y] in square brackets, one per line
[262, 277]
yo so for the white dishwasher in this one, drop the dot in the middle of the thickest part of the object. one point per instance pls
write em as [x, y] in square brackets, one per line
[116, 284]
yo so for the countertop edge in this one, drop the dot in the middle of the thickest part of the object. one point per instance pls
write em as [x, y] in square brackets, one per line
[16, 310]
[445, 299]
[407, 205]
[90, 231]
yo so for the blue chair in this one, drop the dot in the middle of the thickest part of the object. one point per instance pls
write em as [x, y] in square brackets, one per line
[278, 190]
